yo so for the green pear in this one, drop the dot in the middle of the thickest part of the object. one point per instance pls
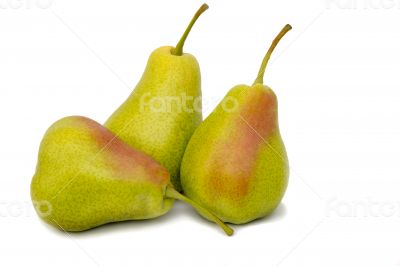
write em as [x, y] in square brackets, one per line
[162, 112]
[235, 163]
[86, 176]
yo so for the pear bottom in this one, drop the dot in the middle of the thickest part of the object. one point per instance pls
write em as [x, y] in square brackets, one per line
[82, 205]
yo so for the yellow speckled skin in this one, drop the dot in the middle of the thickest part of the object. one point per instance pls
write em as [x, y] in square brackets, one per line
[161, 114]
[90, 178]
[235, 163]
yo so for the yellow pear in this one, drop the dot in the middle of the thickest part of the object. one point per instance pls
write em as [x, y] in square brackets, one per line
[86, 176]
[162, 112]
[235, 163]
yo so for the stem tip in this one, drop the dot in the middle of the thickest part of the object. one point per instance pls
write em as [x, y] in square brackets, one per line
[260, 76]
[178, 50]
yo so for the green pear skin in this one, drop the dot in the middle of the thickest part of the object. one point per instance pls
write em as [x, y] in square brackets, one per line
[236, 163]
[162, 112]
[90, 178]
[86, 176]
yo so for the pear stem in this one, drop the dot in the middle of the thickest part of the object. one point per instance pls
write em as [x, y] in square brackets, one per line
[178, 50]
[172, 193]
[260, 76]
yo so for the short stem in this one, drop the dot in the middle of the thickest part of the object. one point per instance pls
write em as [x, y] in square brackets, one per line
[260, 76]
[172, 193]
[178, 50]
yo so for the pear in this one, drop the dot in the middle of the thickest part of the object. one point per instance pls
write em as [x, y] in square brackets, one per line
[235, 163]
[86, 176]
[162, 112]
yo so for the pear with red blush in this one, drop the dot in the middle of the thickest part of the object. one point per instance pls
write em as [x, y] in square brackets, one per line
[86, 176]
[235, 163]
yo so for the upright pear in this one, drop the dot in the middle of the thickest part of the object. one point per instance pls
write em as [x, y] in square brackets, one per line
[235, 163]
[86, 176]
[161, 114]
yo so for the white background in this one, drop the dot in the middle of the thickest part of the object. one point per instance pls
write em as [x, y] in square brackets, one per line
[337, 80]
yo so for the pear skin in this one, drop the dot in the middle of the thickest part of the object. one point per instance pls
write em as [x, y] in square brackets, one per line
[86, 176]
[90, 178]
[162, 112]
[236, 163]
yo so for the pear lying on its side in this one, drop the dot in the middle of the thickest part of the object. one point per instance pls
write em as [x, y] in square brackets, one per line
[86, 176]
[235, 163]
[161, 114]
